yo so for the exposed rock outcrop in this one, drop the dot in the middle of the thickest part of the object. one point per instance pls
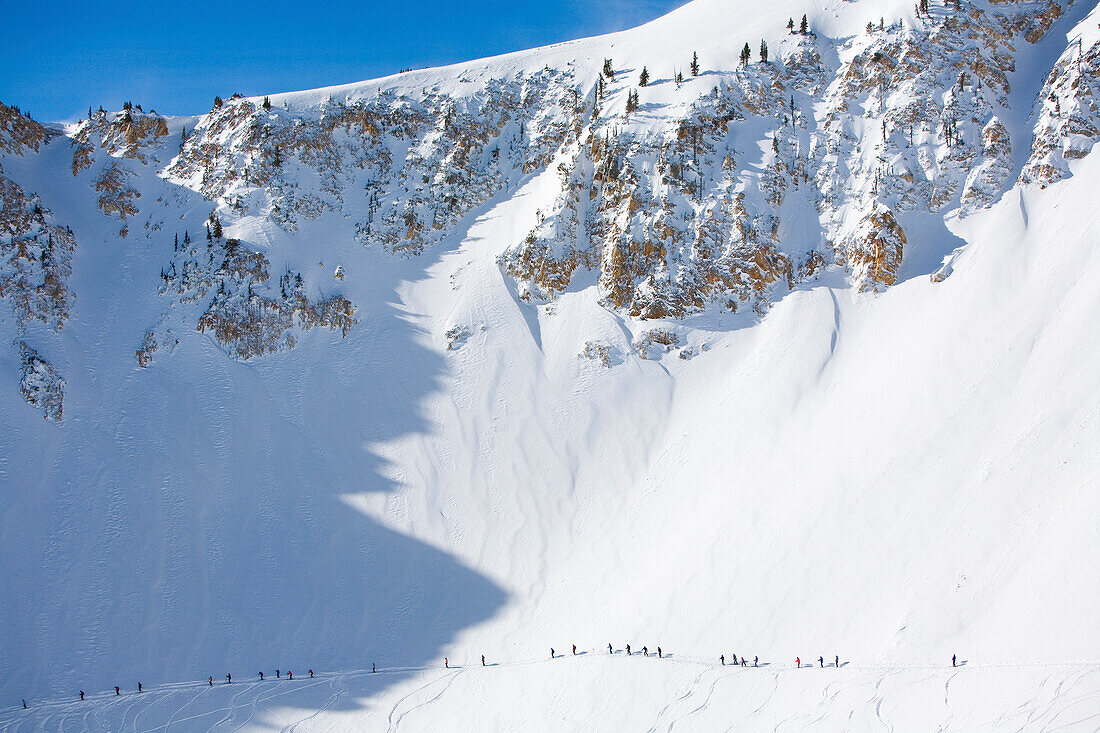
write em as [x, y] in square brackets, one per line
[20, 133]
[35, 258]
[906, 119]
[1068, 111]
[41, 384]
[245, 314]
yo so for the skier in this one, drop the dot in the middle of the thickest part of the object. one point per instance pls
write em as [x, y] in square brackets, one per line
[574, 650]
[446, 664]
[645, 650]
[722, 659]
[836, 662]
[210, 681]
[821, 661]
[82, 694]
[24, 704]
[261, 676]
[609, 651]
[289, 675]
[551, 652]
[744, 662]
[117, 693]
[798, 661]
[373, 669]
[952, 660]
[755, 661]
[139, 687]
[228, 678]
[628, 650]
[660, 655]
[311, 674]
[482, 660]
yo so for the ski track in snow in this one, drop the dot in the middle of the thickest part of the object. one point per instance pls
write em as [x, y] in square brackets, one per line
[448, 680]
[1066, 697]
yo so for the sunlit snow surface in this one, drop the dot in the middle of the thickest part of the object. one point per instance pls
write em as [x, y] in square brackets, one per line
[595, 691]
[889, 478]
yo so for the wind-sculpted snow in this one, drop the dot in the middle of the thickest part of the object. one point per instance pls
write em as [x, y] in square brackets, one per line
[474, 360]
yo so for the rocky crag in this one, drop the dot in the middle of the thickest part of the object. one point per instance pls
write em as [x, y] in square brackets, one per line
[714, 188]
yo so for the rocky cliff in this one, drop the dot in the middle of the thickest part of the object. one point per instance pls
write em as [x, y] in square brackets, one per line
[722, 186]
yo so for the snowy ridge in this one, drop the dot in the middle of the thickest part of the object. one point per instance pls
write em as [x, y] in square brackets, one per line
[470, 360]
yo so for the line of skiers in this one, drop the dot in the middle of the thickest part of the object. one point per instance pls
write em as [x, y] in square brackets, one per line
[553, 655]
[210, 682]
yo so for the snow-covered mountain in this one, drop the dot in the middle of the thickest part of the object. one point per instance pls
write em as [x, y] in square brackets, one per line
[790, 351]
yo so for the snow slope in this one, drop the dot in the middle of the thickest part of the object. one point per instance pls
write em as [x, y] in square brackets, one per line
[889, 477]
[600, 692]
[883, 560]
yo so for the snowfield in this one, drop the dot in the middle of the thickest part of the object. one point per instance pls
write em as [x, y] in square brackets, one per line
[889, 477]
[600, 692]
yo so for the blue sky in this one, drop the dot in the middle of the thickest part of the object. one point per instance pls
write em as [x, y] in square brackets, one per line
[59, 58]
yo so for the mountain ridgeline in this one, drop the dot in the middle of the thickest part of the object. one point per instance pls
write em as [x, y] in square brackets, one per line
[721, 189]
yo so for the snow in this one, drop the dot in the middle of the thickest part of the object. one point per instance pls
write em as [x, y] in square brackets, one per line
[597, 691]
[893, 478]
[715, 29]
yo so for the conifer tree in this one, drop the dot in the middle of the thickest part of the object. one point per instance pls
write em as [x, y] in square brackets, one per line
[267, 104]
[217, 102]
[631, 101]
[217, 230]
[790, 25]
[763, 51]
[804, 26]
[694, 64]
[607, 70]
[644, 78]
[746, 53]
[679, 78]
[600, 86]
